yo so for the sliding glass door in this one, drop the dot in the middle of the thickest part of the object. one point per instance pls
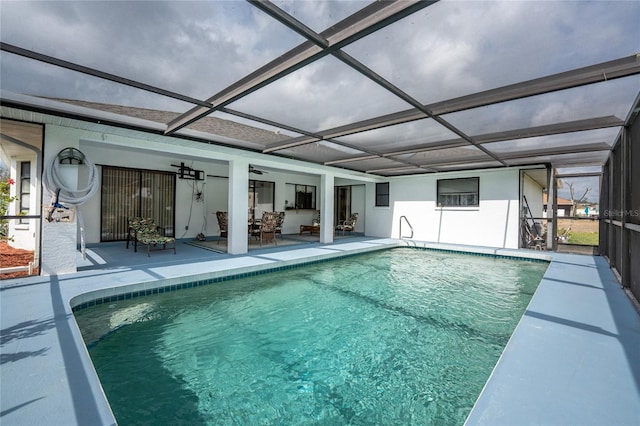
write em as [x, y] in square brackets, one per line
[134, 192]
[261, 198]
[342, 204]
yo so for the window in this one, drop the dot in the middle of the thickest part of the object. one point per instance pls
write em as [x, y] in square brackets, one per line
[459, 192]
[304, 197]
[25, 190]
[382, 194]
[133, 192]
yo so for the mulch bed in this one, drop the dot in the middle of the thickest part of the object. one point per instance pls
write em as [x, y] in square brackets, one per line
[10, 256]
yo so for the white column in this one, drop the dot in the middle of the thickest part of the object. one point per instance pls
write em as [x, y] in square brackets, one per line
[326, 209]
[60, 240]
[238, 206]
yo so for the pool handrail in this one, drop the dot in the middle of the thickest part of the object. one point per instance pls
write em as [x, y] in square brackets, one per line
[410, 227]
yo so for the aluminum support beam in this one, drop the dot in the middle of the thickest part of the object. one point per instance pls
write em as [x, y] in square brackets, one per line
[529, 132]
[97, 73]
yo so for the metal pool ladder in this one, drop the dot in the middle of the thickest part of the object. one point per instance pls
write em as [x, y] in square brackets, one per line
[410, 227]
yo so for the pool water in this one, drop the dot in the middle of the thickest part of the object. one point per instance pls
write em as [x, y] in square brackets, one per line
[402, 336]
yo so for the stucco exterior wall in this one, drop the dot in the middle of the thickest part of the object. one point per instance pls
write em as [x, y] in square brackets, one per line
[493, 223]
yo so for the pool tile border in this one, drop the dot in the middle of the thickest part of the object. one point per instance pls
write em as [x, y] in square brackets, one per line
[149, 288]
[494, 255]
[99, 297]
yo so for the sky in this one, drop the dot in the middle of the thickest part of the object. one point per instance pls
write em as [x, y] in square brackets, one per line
[197, 48]
[449, 49]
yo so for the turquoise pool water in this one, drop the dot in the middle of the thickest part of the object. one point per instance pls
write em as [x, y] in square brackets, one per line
[402, 336]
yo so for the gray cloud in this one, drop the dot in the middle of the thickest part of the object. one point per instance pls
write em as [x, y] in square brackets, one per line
[197, 48]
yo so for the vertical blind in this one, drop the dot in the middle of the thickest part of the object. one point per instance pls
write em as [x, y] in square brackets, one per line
[133, 192]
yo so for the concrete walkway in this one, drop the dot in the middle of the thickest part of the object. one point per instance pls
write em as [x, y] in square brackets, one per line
[574, 358]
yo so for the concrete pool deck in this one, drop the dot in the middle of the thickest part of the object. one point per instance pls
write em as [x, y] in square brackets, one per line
[573, 359]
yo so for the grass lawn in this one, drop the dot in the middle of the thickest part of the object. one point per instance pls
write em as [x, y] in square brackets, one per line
[586, 238]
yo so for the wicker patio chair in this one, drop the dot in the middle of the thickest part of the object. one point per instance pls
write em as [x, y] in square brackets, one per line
[223, 224]
[348, 225]
[279, 224]
[268, 226]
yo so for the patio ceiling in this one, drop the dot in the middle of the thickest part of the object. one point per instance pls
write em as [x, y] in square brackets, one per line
[504, 106]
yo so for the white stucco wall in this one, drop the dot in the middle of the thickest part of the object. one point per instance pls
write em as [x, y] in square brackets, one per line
[494, 223]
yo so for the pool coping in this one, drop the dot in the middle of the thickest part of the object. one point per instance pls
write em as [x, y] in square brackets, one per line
[61, 385]
[279, 263]
[141, 289]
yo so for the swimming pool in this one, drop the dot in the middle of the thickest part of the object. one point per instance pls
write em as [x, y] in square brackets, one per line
[400, 336]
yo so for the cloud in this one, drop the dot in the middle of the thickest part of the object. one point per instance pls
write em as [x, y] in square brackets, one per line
[195, 48]
[320, 15]
[454, 48]
[200, 47]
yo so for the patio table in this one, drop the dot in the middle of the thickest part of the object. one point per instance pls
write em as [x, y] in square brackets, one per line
[311, 229]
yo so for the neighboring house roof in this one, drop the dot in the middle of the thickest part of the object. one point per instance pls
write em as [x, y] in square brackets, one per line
[561, 201]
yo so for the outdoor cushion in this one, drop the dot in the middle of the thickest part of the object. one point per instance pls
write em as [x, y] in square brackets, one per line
[145, 231]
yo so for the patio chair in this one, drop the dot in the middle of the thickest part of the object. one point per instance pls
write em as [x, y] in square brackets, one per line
[535, 238]
[268, 224]
[279, 224]
[348, 225]
[144, 230]
[223, 224]
[564, 234]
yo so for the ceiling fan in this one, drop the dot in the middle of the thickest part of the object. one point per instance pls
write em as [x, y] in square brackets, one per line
[252, 169]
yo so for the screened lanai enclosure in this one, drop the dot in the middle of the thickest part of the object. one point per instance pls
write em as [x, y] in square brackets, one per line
[387, 88]
[390, 88]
